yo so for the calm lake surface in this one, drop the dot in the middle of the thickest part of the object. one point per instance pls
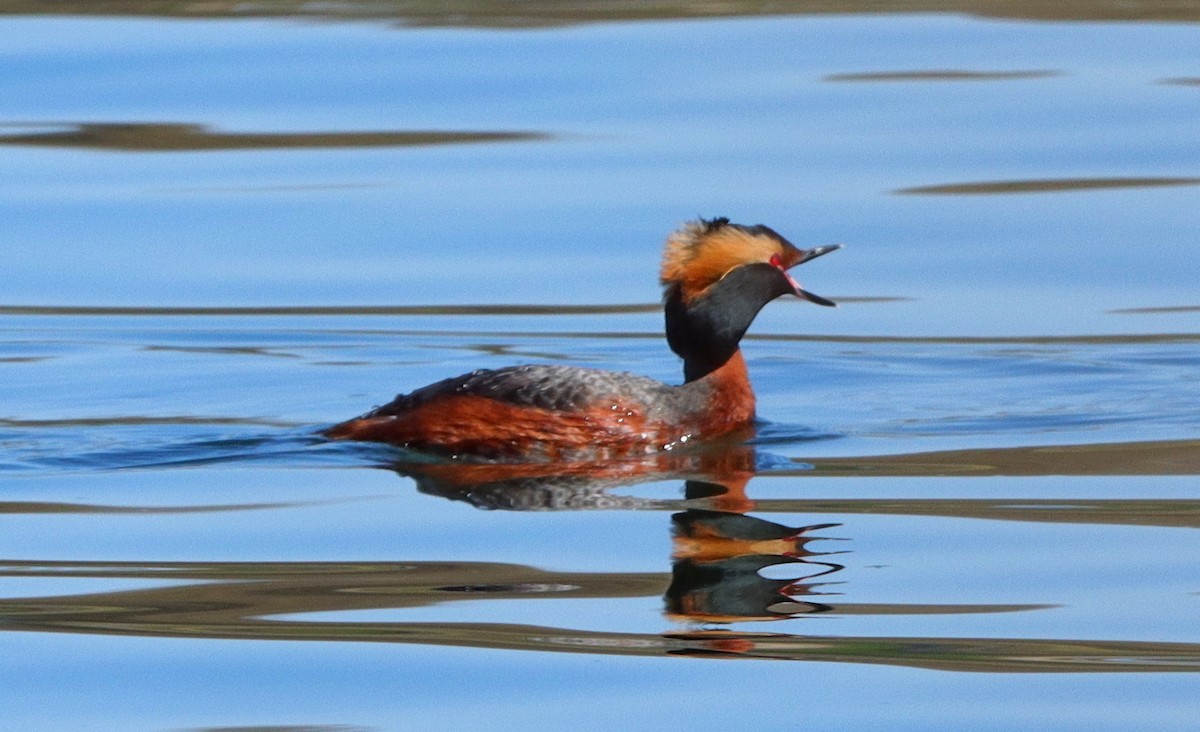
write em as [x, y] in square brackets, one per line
[971, 502]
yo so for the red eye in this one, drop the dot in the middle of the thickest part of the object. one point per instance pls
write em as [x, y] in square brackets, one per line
[776, 261]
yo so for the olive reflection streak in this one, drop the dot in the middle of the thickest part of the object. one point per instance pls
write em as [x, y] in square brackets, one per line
[718, 552]
[518, 15]
[182, 137]
[1048, 185]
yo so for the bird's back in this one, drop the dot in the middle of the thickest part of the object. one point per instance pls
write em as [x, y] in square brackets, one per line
[553, 387]
[542, 411]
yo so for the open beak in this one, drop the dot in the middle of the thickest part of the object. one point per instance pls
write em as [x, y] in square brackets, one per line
[807, 255]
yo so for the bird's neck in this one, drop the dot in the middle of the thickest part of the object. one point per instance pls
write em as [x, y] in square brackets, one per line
[705, 330]
[728, 396]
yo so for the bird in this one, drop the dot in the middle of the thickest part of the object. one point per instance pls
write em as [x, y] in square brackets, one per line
[716, 277]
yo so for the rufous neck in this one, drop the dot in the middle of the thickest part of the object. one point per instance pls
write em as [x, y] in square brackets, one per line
[732, 373]
[728, 394]
[734, 368]
[732, 378]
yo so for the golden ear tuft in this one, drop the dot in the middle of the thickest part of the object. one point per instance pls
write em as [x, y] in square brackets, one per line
[680, 249]
[701, 252]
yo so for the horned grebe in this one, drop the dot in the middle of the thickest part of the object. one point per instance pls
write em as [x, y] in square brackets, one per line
[716, 276]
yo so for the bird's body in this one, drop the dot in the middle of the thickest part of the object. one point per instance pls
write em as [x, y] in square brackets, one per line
[717, 276]
[554, 412]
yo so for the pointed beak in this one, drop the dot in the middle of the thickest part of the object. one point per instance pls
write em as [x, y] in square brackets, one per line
[807, 255]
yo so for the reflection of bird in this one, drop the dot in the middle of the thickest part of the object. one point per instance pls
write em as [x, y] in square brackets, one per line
[711, 536]
[716, 277]
[718, 559]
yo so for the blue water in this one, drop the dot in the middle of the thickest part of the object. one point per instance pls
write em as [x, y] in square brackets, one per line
[995, 438]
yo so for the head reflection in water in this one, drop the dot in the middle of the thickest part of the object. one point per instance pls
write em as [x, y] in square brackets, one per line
[719, 553]
[718, 560]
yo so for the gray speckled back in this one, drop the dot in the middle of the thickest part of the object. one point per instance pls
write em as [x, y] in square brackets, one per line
[551, 386]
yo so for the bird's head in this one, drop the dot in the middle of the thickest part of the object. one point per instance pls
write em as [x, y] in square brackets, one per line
[716, 276]
[702, 253]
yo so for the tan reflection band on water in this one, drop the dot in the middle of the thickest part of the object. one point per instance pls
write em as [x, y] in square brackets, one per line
[272, 601]
[184, 137]
[574, 12]
[1047, 185]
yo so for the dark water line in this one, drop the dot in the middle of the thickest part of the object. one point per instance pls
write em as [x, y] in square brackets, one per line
[1049, 340]
[1168, 310]
[1155, 457]
[940, 75]
[184, 137]
[48, 507]
[334, 310]
[1046, 185]
[370, 310]
[573, 310]
[974, 655]
[510, 15]
[141, 421]
[294, 446]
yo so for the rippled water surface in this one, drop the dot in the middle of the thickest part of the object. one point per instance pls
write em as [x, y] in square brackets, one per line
[971, 499]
